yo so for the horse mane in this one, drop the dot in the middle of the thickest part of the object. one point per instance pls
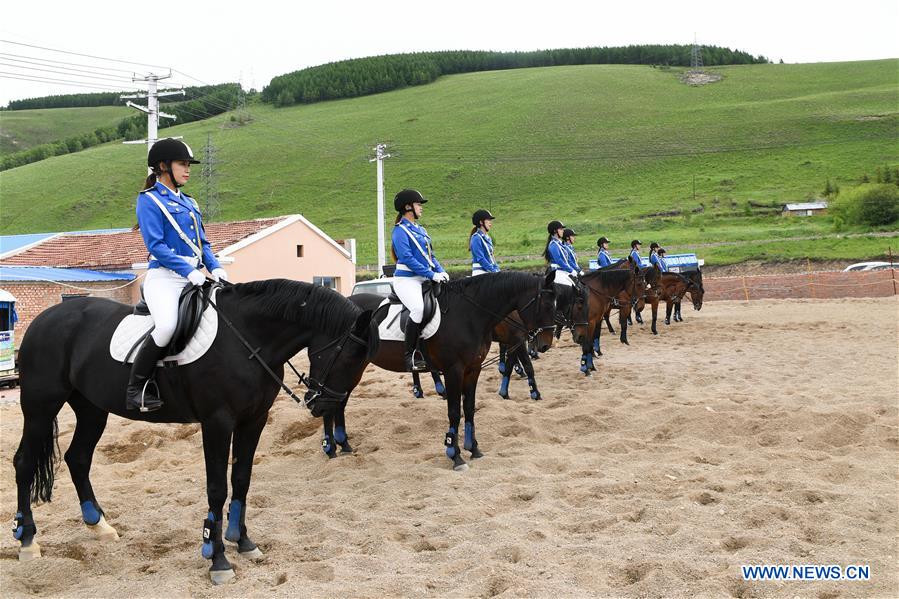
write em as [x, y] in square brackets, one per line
[500, 284]
[308, 305]
[613, 265]
[609, 274]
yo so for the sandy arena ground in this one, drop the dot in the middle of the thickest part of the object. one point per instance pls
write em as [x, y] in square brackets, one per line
[761, 433]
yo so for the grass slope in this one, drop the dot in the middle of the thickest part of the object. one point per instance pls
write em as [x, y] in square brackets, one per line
[24, 129]
[601, 147]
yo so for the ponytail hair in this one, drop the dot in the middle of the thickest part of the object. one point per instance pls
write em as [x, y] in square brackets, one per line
[546, 249]
[399, 217]
[470, 235]
[151, 180]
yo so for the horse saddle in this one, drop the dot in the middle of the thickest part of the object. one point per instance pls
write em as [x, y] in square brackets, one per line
[392, 326]
[196, 329]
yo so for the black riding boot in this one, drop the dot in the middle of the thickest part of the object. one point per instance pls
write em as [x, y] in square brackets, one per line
[412, 364]
[138, 395]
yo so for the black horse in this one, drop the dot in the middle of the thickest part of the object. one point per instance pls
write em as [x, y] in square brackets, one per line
[470, 310]
[696, 292]
[64, 358]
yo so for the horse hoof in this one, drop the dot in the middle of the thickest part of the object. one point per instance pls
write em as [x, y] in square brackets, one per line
[102, 531]
[331, 454]
[476, 453]
[346, 449]
[33, 551]
[506, 396]
[254, 554]
[460, 467]
[221, 576]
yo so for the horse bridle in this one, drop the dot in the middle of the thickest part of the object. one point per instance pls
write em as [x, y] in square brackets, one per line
[582, 290]
[531, 333]
[318, 391]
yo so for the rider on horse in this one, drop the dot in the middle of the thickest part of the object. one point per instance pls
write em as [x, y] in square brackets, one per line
[480, 244]
[603, 258]
[415, 264]
[556, 254]
[660, 260]
[635, 251]
[568, 236]
[172, 229]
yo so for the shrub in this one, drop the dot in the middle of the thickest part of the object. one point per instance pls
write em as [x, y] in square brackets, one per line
[872, 205]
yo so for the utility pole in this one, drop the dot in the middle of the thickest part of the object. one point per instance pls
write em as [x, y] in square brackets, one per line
[380, 157]
[696, 56]
[152, 108]
[211, 208]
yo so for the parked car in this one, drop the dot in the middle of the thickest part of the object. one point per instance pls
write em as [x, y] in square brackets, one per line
[382, 287]
[860, 266]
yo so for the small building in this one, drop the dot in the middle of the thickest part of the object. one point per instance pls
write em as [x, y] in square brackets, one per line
[805, 208]
[288, 247]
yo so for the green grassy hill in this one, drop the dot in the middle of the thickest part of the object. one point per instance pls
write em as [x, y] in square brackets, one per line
[604, 148]
[24, 129]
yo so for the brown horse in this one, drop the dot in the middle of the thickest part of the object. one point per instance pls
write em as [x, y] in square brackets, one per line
[604, 286]
[671, 288]
[696, 292]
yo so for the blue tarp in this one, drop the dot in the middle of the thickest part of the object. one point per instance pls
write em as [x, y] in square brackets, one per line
[44, 273]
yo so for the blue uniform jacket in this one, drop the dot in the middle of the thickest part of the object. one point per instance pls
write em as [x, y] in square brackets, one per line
[412, 259]
[572, 258]
[163, 242]
[558, 256]
[636, 256]
[656, 259]
[481, 247]
[604, 259]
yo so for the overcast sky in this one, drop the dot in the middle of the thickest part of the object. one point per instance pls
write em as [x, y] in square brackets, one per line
[224, 41]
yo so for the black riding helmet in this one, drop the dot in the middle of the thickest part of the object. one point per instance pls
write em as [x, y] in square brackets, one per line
[407, 197]
[661, 251]
[480, 215]
[601, 241]
[636, 242]
[654, 246]
[568, 233]
[168, 150]
[554, 226]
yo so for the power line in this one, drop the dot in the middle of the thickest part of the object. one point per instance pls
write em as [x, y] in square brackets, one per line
[84, 55]
[69, 72]
[23, 57]
[69, 82]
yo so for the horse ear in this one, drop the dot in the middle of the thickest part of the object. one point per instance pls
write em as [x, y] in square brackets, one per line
[360, 327]
[549, 279]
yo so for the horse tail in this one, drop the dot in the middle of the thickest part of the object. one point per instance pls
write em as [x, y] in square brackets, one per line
[47, 459]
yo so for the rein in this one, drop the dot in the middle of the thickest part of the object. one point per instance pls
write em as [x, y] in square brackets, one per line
[318, 391]
[531, 333]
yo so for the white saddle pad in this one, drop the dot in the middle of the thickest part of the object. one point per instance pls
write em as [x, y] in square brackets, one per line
[133, 328]
[389, 329]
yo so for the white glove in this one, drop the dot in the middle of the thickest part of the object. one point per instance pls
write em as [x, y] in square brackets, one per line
[219, 274]
[440, 277]
[196, 278]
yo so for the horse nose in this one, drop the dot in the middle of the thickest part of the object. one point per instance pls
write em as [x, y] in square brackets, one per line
[543, 347]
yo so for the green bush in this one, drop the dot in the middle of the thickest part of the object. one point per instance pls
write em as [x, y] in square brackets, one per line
[872, 205]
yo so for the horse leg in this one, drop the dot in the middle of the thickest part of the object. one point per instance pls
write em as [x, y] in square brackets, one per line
[417, 391]
[655, 316]
[597, 349]
[504, 370]
[516, 360]
[470, 385]
[328, 434]
[677, 314]
[532, 351]
[587, 350]
[35, 462]
[243, 448]
[340, 428]
[438, 384]
[453, 409]
[91, 421]
[216, 445]
[607, 317]
[622, 320]
[669, 305]
[638, 315]
[529, 370]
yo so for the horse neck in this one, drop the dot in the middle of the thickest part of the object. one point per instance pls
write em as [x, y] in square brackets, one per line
[501, 304]
[611, 282]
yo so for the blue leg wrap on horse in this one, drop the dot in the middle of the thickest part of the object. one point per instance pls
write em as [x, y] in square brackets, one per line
[450, 442]
[339, 434]
[585, 364]
[501, 367]
[533, 385]
[504, 386]
[596, 344]
[326, 444]
[19, 531]
[89, 513]
[469, 436]
[438, 386]
[208, 530]
[234, 513]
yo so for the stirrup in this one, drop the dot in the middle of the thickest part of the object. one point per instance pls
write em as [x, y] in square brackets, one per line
[419, 365]
[143, 407]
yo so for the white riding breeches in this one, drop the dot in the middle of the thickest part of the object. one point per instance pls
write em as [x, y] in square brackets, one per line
[476, 273]
[563, 278]
[162, 288]
[408, 289]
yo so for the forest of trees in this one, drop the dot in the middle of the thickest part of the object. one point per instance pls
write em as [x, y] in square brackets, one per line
[198, 103]
[364, 76]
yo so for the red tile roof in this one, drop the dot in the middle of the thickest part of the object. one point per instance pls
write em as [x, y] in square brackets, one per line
[118, 251]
